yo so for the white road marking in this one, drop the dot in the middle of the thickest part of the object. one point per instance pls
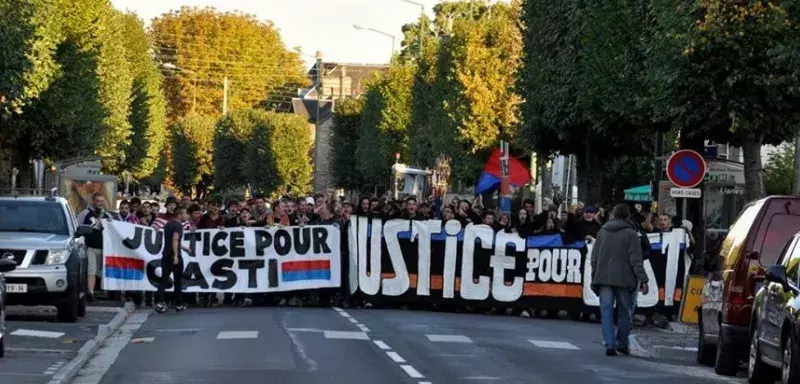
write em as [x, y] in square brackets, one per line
[381, 345]
[411, 371]
[554, 344]
[304, 330]
[179, 330]
[362, 327]
[487, 378]
[449, 338]
[345, 314]
[352, 320]
[35, 333]
[346, 335]
[227, 335]
[425, 382]
[142, 340]
[54, 367]
[337, 309]
[41, 350]
[395, 357]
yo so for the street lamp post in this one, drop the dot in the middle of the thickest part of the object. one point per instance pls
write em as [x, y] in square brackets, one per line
[421, 15]
[360, 28]
[194, 81]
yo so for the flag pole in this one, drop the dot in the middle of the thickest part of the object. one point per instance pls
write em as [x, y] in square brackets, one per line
[505, 188]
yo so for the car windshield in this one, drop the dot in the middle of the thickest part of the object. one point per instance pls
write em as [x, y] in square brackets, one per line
[32, 216]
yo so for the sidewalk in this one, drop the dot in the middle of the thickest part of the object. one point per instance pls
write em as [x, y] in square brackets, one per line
[675, 345]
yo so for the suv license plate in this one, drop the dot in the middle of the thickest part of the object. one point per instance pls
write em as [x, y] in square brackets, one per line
[16, 288]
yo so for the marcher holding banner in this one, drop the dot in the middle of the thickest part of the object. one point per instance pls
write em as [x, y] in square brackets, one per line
[172, 261]
[617, 272]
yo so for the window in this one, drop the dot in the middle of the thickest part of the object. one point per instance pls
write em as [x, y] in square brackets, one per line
[791, 258]
[780, 228]
[32, 216]
[737, 236]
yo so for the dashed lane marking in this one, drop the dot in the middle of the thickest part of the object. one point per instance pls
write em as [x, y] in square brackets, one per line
[382, 345]
[412, 372]
[351, 319]
[231, 335]
[395, 357]
[448, 338]
[35, 333]
[51, 370]
[554, 344]
[346, 335]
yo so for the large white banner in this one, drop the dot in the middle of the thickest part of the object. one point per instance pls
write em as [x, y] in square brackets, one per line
[241, 260]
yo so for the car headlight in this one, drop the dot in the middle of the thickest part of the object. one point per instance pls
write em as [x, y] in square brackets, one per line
[57, 256]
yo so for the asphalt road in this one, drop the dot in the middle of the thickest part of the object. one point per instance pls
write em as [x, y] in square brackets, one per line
[310, 345]
[37, 346]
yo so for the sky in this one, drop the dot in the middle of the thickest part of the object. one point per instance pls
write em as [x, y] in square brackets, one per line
[314, 25]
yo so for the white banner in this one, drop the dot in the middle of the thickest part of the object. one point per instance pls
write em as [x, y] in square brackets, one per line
[240, 260]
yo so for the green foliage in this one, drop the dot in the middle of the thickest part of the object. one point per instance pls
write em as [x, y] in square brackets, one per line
[209, 45]
[344, 143]
[384, 124]
[233, 134]
[278, 159]
[28, 39]
[148, 107]
[779, 171]
[192, 152]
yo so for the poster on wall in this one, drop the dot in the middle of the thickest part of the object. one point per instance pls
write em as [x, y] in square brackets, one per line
[79, 191]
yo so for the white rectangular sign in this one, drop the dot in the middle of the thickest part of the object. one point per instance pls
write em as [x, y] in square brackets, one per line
[686, 193]
[237, 260]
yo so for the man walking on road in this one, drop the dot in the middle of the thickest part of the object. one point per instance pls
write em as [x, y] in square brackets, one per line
[172, 260]
[617, 272]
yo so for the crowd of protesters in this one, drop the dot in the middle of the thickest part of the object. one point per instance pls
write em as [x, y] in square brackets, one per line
[574, 222]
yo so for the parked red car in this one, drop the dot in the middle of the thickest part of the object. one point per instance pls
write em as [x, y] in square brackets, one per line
[734, 275]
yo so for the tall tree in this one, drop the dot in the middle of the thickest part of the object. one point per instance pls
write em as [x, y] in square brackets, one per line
[344, 143]
[779, 171]
[148, 108]
[746, 49]
[201, 47]
[232, 136]
[384, 124]
[277, 160]
[192, 153]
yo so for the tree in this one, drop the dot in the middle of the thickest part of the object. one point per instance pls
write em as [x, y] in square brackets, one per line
[192, 153]
[384, 124]
[29, 37]
[207, 46]
[277, 159]
[84, 109]
[231, 139]
[779, 172]
[344, 143]
[148, 108]
[746, 49]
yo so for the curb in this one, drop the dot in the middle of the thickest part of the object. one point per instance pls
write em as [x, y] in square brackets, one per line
[69, 370]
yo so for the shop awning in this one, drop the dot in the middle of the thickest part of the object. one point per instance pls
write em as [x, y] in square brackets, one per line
[640, 193]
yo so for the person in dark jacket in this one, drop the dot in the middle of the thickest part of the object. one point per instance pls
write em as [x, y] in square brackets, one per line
[617, 271]
[93, 216]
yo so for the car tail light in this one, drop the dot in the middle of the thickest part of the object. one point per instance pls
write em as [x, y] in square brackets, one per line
[736, 295]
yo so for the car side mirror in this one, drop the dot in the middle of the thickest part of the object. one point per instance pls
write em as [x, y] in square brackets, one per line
[83, 230]
[7, 265]
[753, 255]
[777, 274]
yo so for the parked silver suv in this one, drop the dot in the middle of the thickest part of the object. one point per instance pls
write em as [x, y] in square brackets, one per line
[41, 234]
[5, 266]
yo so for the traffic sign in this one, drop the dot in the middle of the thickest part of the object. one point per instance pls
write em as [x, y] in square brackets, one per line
[686, 168]
[685, 193]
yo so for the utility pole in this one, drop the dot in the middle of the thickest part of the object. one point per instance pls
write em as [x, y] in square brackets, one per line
[225, 96]
[318, 84]
[796, 184]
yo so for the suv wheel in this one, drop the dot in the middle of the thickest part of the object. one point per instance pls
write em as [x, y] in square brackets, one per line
[706, 351]
[727, 362]
[757, 371]
[68, 309]
[790, 364]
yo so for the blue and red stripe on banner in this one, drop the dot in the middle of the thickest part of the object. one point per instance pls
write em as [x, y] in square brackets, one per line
[306, 270]
[124, 268]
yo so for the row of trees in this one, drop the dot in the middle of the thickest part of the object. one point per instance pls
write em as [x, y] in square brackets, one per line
[598, 80]
[269, 151]
[80, 78]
